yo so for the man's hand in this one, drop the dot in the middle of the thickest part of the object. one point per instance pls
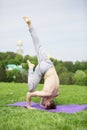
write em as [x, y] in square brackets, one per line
[29, 107]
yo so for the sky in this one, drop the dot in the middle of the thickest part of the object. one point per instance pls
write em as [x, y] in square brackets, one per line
[61, 26]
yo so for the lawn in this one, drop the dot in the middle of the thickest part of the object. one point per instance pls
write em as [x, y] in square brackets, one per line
[19, 118]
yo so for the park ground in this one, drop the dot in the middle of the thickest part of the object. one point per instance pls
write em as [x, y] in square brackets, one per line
[19, 118]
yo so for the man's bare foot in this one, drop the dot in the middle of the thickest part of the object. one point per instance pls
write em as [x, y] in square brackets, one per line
[30, 64]
[27, 20]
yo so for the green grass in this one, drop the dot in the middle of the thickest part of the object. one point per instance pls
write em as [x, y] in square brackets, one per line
[19, 118]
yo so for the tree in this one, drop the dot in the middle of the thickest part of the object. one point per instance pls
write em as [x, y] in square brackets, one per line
[59, 66]
[69, 65]
[24, 76]
[17, 76]
[79, 66]
[80, 77]
[18, 59]
[14, 75]
[2, 74]
[66, 78]
[10, 76]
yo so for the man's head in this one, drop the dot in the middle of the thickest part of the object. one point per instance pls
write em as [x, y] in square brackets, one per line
[50, 104]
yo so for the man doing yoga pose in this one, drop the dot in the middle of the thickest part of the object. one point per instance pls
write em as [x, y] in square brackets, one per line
[45, 69]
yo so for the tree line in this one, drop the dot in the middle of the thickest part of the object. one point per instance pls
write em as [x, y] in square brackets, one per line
[68, 72]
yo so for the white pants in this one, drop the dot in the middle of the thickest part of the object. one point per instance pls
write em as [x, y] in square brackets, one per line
[44, 63]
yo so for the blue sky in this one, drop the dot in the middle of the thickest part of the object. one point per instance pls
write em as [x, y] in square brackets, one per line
[61, 26]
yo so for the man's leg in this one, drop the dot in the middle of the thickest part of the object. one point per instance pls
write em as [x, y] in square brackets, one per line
[30, 75]
[41, 55]
[34, 77]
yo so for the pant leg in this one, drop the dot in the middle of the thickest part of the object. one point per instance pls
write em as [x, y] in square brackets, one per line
[34, 78]
[41, 55]
[43, 61]
[30, 83]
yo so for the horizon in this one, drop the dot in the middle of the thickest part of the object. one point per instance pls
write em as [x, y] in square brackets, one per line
[49, 56]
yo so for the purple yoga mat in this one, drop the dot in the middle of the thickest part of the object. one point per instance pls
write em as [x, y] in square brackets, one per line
[72, 108]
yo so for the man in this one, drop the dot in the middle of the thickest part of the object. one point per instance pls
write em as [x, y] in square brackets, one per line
[45, 69]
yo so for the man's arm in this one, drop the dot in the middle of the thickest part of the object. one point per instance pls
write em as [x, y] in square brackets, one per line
[28, 99]
[34, 94]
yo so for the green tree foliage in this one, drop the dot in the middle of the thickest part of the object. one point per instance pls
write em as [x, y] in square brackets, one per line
[24, 77]
[59, 66]
[66, 78]
[85, 71]
[9, 57]
[80, 77]
[2, 74]
[69, 65]
[18, 59]
[79, 66]
[67, 71]
[10, 76]
[16, 76]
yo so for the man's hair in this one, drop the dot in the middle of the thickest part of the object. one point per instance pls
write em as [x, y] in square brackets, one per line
[51, 106]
